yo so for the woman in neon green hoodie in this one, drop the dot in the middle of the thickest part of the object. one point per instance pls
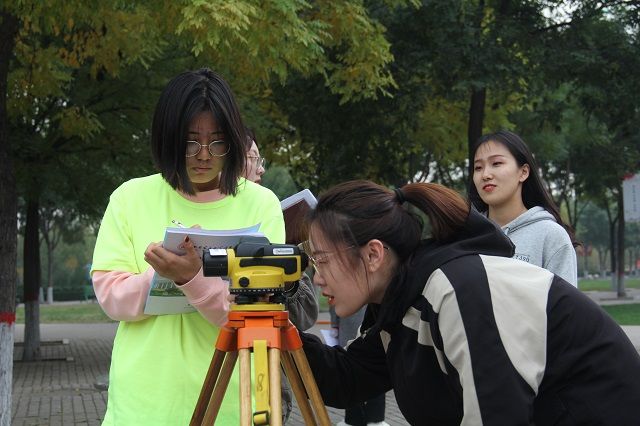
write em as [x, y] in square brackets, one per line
[159, 361]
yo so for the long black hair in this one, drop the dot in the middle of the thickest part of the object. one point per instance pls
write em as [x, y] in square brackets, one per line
[534, 193]
[187, 95]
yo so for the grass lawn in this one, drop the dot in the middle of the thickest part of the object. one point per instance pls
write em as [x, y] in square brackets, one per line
[67, 313]
[81, 312]
[605, 285]
[628, 314]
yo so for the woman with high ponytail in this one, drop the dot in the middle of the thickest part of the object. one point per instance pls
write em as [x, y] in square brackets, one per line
[462, 333]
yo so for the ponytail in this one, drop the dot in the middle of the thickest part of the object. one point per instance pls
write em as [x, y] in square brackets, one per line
[353, 213]
[446, 209]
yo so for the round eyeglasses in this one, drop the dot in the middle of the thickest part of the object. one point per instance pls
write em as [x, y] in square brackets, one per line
[218, 148]
[258, 161]
[307, 248]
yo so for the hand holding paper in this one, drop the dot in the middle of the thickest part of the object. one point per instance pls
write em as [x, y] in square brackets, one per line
[176, 261]
[178, 268]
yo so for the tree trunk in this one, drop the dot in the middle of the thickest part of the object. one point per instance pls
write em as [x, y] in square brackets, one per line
[612, 253]
[620, 248]
[585, 272]
[8, 229]
[476, 119]
[478, 93]
[31, 284]
[603, 262]
[49, 273]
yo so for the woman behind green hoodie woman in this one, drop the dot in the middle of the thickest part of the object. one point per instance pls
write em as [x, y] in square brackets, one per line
[506, 186]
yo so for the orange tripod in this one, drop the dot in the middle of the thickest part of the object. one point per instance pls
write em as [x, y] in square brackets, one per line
[273, 340]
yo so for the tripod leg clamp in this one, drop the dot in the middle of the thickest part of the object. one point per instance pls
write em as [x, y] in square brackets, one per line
[261, 418]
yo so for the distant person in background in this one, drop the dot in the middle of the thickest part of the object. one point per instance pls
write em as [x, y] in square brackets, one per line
[370, 412]
[300, 299]
[254, 168]
[506, 186]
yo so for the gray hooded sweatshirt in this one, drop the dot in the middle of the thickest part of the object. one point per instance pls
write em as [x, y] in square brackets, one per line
[541, 241]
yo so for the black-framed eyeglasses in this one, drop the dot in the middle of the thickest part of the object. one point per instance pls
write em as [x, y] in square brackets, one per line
[218, 148]
[258, 161]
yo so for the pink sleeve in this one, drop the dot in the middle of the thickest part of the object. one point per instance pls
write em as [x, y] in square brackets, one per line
[122, 295]
[210, 296]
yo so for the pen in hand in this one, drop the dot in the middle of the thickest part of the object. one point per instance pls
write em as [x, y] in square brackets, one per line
[177, 223]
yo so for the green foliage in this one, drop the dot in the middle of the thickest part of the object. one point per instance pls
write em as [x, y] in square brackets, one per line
[278, 179]
[594, 228]
[82, 90]
[441, 51]
[57, 38]
[70, 261]
[362, 64]
[255, 42]
[71, 105]
[603, 56]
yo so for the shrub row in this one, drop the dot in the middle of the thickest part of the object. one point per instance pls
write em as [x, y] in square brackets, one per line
[63, 294]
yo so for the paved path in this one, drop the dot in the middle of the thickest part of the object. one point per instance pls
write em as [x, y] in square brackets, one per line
[60, 390]
[65, 388]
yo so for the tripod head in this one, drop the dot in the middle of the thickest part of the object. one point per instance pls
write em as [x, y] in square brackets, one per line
[256, 268]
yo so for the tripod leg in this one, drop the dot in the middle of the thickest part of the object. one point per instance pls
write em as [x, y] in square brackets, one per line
[262, 383]
[207, 387]
[310, 385]
[275, 397]
[245, 387]
[221, 388]
[298, 389]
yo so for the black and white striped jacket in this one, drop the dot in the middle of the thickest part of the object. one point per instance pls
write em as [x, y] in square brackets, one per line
[474, 339]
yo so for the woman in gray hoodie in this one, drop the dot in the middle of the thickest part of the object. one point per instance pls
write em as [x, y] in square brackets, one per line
[505, 185]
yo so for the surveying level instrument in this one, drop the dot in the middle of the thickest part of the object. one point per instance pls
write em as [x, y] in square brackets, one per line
[258, 323]
[256, 270]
